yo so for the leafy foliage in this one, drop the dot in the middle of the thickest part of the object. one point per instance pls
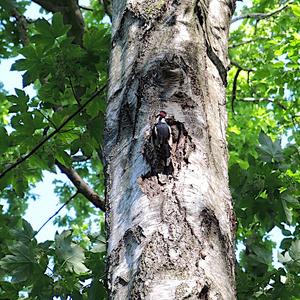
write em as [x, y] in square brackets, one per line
[50, 268]
[64, 75]
[263, 138]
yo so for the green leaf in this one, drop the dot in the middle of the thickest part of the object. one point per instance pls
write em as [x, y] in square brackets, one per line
[68, 137]
[14, 109]
[286, 232]
[99, 246]
[43, 27]
[4, 138]
[43, 40]
[262, 255]
[288, 212]
[28, 78]
[45, 245]
[284, 258]
[28, 230]
[40, 288]
[64, 158]
[291, 199]
[69, 254]
[286, 243]
[8, 291]
[24, 234]
[262, 73]
[58, 27]
[77, 296]
[21, 263]
[46, 36]
[29, 52]
[294, 251]
[20, 65]
[8, 4]
[269, 151]
[295, 9]
[97, 291]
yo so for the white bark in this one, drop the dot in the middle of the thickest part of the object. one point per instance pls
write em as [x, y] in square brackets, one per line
[170, 237]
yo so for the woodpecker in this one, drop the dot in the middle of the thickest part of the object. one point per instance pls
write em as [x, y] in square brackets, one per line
[162, 138]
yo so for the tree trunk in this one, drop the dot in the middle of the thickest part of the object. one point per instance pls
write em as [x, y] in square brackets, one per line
[170, 236]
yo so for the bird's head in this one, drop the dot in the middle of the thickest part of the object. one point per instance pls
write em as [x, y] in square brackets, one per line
[162, 114]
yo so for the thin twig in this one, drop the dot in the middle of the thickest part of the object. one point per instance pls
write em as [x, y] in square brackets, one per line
[85, 8]
[248, 77]
[234, 86]
[74, 93]
[258, 100]
[251, 99]
[56, 213]
[240, 44]
[246, 42]
[49, 136]
[260, 16]
[47, 118]
[234, 63]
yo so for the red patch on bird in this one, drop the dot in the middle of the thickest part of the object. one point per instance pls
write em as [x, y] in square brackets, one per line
[162, 114]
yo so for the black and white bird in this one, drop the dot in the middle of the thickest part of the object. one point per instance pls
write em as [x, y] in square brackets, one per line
[162, 138]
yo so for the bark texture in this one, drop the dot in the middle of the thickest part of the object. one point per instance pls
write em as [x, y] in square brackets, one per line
[170, 237]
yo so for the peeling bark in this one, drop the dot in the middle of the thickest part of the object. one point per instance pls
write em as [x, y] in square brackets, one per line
[170, 236]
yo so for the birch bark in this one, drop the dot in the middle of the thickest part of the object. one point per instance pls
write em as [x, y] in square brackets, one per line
[170, 237]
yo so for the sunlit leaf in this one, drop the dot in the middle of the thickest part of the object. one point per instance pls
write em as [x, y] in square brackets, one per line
[70, 255]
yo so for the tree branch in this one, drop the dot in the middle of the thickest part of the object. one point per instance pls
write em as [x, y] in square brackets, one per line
[240, 44]
[234, 86]
[107, 7]
[53, 133]
[22, 26]
[82, 187]
[260, 16]
[85, 8]
[80, 158]
[251, 99]
[246, 42]
[233, 63]
[257, 100]
[51, 6]
[56, 213]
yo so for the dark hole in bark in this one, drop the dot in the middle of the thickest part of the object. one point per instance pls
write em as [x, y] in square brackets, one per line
[204, 293]
[122, 281]
[179, 150]
[198, 13]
